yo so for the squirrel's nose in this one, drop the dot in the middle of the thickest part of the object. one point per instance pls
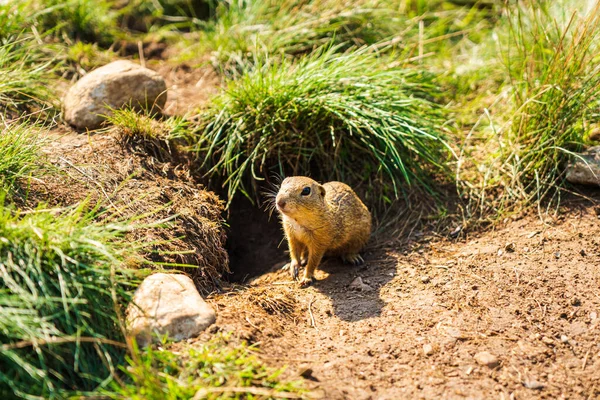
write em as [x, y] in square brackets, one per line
[281, 203]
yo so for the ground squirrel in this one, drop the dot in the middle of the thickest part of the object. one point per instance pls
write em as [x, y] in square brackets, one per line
[320, 220]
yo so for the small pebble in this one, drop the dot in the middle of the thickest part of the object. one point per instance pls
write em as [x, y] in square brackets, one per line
[547, 340]
[456, 333]
[425, 279]
[564, 339]
[510, 247]
[455, 232]
[575, 302]
[593, 315]
[307, 373]
[557, 255]
[427, 349]
[358, 284]
[487, 359]
[213, 329]
[533, 384]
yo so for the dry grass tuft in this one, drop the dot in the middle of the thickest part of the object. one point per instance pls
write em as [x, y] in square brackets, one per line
[278, 304]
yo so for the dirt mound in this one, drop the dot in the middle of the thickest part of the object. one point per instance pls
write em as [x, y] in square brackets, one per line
[128, 184]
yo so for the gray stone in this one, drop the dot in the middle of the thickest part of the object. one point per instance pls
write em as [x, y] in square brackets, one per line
[585, 168]
[358, 284]
[168, 304]
[114, 85]
[533, 385]
[487, 359]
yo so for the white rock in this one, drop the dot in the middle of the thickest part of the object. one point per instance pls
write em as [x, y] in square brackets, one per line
[585, 168]
[427, 349]
[168, 304]
[114, 85]
[487, 359]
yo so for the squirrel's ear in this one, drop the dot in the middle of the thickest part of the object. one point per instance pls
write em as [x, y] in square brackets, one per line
[322, 190]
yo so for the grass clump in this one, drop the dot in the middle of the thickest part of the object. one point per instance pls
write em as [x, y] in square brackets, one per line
[68, 21]
[24, 77]
[13, 15]
[19, 153]
[146, 134]
[550, 56]
[555, 81]
[168, 15]
[60, 292]
[332, 116]
[90, 21]
[214, 370]
[82, 57]
[64, 38]
[241, 30]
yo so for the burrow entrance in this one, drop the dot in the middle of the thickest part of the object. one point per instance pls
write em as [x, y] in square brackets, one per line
[255, 241]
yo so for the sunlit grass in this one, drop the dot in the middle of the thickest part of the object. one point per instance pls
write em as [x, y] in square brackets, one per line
[334, 116]
[24, 76]
[61, 295]
[147, 134]
[549, 55]
[216, 369]
[20, 154]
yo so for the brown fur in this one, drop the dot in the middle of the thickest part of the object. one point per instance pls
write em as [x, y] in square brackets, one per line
[331, 220]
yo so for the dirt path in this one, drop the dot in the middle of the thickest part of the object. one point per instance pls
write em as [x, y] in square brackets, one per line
[527, 293]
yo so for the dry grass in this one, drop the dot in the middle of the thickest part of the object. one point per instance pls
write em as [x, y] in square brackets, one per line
[191, 234]
[278, 304]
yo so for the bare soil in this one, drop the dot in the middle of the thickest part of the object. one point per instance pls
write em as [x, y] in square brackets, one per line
[189, 88]
[527, 292]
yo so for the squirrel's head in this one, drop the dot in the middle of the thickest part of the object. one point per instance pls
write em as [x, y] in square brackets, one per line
[298, 196]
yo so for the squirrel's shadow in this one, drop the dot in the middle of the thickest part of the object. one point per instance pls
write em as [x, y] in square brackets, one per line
[355, 302]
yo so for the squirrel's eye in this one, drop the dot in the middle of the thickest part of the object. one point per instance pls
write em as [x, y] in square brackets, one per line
[305, 191]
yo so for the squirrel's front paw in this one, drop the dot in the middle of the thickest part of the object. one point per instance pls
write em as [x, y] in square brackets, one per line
[293, 266]
[306, 282]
